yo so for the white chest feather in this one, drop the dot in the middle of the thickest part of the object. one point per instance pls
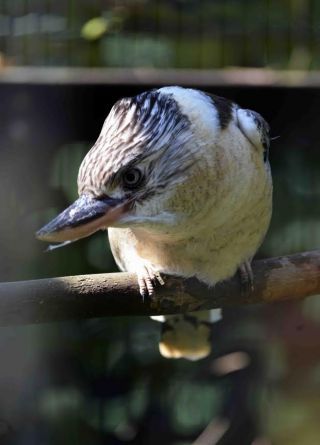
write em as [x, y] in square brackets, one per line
[222, 208]
[233, 193]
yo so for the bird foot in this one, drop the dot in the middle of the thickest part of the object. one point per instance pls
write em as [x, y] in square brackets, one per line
[246, 278]
[148, 278]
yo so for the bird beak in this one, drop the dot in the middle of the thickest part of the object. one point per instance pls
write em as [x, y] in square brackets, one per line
[84, 217]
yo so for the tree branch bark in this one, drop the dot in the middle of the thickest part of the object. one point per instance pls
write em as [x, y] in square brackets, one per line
[291, 277]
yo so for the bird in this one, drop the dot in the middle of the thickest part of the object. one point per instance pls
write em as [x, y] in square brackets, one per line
[181, 180]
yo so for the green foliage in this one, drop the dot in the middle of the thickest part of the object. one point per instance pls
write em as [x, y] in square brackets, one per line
[191, 34]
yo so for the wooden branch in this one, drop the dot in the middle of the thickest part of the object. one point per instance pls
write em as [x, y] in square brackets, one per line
[87, 296]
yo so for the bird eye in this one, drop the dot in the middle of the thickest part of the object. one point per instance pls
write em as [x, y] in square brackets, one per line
[132, 178]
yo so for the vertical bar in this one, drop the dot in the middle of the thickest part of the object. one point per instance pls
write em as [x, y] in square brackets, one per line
[199, 37]
[244, 33]
[156, 35]
[47, 38]
[25, 37]
[222, 37]
[312, 32]
[70, 34]
[290, 35]
[5, 37]
[267, 41]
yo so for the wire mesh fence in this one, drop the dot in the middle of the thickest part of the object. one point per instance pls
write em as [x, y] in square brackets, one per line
[161, 34]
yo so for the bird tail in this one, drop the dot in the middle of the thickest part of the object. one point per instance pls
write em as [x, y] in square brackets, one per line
[187, 335]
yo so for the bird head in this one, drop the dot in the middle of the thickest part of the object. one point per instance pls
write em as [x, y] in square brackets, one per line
[135, 174]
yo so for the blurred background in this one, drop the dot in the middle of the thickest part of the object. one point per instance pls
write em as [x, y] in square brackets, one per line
[62, 66]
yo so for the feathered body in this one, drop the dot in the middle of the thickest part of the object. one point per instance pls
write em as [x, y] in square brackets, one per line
[214, 217]
[215, 214]
[187, 178]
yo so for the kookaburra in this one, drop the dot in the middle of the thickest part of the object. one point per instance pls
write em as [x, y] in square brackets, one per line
[181, 180]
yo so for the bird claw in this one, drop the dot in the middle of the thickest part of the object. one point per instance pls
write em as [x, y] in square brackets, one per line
[147, 280]
[246, 278]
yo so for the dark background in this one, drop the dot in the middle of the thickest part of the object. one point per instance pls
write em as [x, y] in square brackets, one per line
[103, 381]
[63, 64]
